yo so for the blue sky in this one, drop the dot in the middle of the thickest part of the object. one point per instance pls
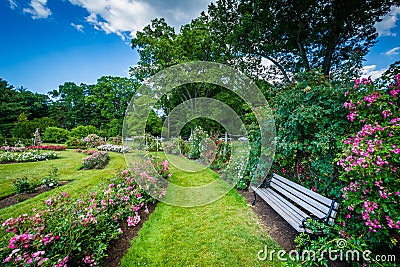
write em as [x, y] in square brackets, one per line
[46, 43]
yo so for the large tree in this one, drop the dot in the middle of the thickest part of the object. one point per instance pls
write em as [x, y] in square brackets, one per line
[299, 35]
[110, 97]
[71, 107]
[10, 107]
[159, 47]
[14, 102]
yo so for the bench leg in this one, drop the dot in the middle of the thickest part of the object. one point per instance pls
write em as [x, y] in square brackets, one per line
[255, 197]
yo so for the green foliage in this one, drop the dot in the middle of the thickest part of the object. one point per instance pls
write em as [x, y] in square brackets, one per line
[310, 122]
[110, 96]
[70, 105]
[114, 128]
[22, 185]
[82, 131]
[153, 124]
[14, 102]
[55, 134]
[299, 36]
[25, 128]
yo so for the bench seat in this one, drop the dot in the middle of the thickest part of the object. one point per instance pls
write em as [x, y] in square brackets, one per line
[295, 203]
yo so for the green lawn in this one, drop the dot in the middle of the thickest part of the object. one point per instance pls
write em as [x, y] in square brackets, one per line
[225, 232]
[68, 164]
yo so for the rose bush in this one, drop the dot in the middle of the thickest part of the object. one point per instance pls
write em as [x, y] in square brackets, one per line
[370, 162]
[95, 160]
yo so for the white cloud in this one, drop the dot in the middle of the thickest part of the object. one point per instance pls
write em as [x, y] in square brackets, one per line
[392, 52]
[126, 17]
[371, 71]
[38, 9]
[117, 16]
[13, 4]
[78, 27]
[384, 28]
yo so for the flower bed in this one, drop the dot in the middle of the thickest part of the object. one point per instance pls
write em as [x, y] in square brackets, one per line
[48, 147]
[73, 231]
[93, 140]
[96, 160]
[27, 156]
[113, 148]
[22, 148]
[12, 148]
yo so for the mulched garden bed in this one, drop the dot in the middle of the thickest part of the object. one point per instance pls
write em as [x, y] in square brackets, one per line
[278, 228]
[117, 248]
[17, 198]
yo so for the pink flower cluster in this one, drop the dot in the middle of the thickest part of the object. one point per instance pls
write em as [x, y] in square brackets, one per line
[133, 221]
[88, 260]
[353, 113]
[364, 81]
[63, 262]
[371, 98]
[48, 147]
[12, 148]
[33, 258]
[391, 224]
[369, 208]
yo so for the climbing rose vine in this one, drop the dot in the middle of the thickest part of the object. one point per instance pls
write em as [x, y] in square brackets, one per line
[370, 162]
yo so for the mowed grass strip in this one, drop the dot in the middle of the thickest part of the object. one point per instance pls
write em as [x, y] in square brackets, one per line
[68, 164]
[225, 232]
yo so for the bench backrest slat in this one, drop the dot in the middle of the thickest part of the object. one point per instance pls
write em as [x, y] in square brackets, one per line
[289, 206]
[291, 194]
[304, 190]
[306, 198]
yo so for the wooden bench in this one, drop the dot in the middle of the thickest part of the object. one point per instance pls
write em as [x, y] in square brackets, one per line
[295, 203]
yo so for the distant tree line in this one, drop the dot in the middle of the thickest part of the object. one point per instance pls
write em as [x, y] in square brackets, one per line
[101, 105]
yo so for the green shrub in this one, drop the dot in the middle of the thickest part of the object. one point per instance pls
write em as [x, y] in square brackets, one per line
[55, 134]
[310, 122]
[25, 129]
[83, 131]
[51, 180]
[22, 185]
[74, 142]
